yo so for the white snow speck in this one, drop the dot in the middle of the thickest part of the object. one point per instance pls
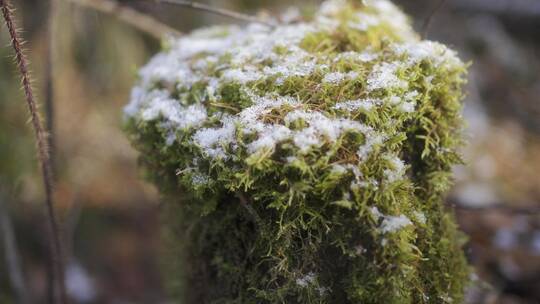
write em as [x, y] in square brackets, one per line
[392, 224]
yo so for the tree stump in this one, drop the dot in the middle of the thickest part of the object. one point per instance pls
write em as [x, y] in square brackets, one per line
[306, 162]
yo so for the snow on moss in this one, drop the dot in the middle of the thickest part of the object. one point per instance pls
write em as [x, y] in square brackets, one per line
[337, 77]
[212, 140]
[291, 145]
[384, 76]
[394, 223]
[358, 104]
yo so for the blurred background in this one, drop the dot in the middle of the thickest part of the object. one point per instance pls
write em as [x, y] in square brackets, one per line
[111, 216]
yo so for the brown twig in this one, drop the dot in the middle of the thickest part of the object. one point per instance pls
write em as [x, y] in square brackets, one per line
[43, 152]
[216, 11]
[425, 27]
[140, 21]
[245, 203]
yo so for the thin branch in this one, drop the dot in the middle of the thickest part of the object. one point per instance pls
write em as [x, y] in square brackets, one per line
[49, 82]
[523, 210]
[49, 120]
[138, 20]
[11, 254]
[519, 8]
[43, 153]
[425, 27]
[72, 220]
[217, 11]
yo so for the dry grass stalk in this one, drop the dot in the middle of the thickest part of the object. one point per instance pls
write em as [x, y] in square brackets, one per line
[43, 152]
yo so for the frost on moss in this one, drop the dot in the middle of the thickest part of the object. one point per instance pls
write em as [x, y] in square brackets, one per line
[306, 163]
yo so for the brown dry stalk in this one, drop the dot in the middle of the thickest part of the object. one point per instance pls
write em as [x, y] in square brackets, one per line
[216, 11]
[245, 203]
[140, 21]
[43, 153]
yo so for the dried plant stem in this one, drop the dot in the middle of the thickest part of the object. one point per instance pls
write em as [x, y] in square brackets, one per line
[245, 203]
[142, 22]
[216, 11]
[43, 153]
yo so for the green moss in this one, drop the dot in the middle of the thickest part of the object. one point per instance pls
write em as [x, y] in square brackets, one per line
[306, 163]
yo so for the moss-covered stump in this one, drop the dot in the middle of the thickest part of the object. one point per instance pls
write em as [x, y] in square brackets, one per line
[306, 163]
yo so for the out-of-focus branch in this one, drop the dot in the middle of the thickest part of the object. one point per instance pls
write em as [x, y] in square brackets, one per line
[216, 11]
[425, 27]
[11, 254]
[71, 223]
[49, 81]
[525, 210]
[528, 8]
[131, 16]
[49, 118]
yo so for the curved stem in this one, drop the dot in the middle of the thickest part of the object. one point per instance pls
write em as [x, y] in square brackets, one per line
[217, 11]
[43, 152]
[425, 27]
[246, 204]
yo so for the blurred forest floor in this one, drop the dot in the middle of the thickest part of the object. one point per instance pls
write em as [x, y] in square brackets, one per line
[111, 216]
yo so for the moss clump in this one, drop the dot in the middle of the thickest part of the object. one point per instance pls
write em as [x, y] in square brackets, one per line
[306, 163]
